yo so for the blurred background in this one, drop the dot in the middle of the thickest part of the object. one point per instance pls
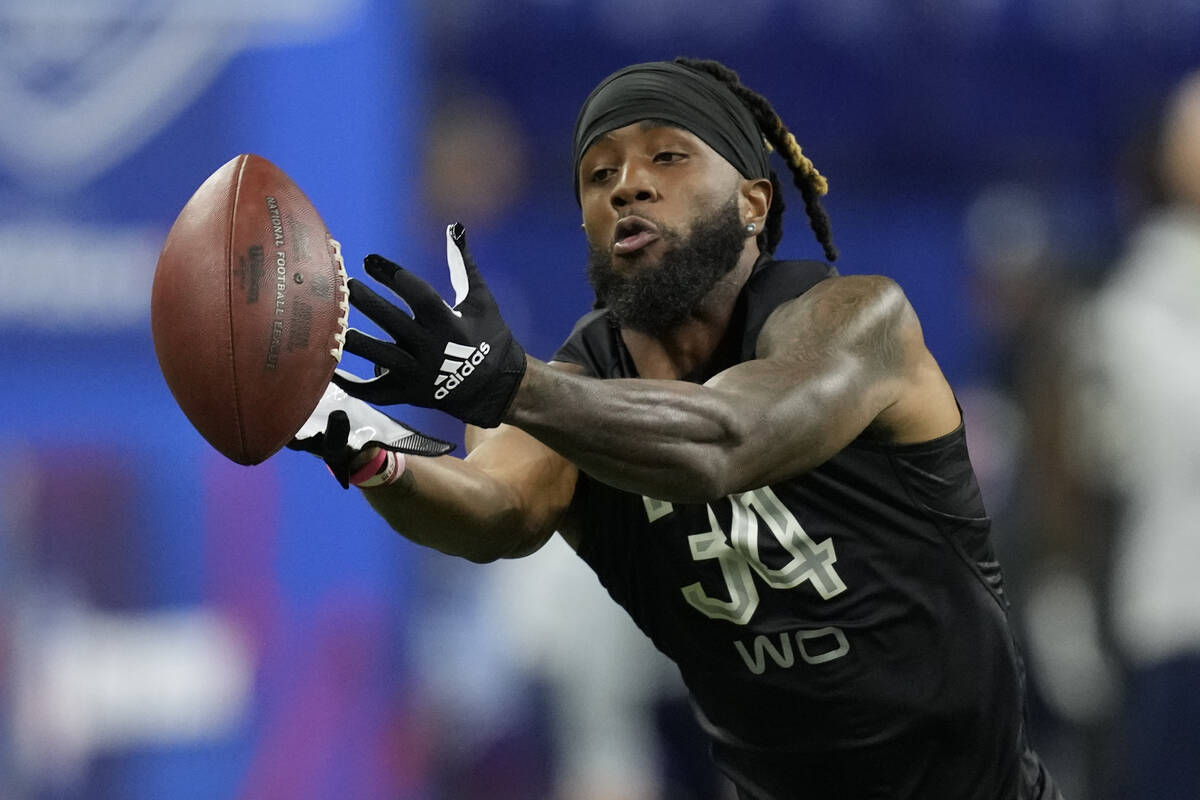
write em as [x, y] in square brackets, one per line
[175, 626]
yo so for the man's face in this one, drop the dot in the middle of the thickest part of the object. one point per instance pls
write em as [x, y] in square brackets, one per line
[663, 217]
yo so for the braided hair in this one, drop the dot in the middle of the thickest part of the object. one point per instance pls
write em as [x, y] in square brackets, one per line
[812, 184]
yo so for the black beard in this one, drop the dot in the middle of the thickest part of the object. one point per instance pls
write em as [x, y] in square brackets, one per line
[656, 299]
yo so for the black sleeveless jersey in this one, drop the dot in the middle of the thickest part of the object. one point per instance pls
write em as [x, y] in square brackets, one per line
[843, 634]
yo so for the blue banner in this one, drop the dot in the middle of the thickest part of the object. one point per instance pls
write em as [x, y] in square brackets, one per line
[172, 624]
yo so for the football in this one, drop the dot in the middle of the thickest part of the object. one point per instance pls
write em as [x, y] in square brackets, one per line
[248, 309]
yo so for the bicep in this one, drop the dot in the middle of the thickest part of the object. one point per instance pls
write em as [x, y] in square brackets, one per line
[793, 418]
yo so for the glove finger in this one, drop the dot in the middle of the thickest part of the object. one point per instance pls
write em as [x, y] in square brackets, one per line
[399, 325]
[371, 390]
[392, 357]
[464, 275]
[352, 387]
[378, 309]
[333, 447]
[387, 388]
[456, 261]
[337, 432]
[420, 296]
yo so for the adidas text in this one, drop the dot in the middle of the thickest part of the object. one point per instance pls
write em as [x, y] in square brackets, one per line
[461, 360]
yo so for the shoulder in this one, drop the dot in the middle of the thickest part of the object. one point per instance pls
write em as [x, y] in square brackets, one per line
[867, 324]
[870, 311]
[771, 284]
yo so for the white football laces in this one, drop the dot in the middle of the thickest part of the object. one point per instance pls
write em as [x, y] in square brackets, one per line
[343, 291]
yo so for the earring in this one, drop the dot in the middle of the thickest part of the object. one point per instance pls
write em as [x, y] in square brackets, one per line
[750, 226]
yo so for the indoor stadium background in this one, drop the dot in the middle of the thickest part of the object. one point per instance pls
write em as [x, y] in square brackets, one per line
[175, 626]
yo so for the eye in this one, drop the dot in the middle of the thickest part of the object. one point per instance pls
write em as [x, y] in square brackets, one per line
[669, 157]
[601, 174]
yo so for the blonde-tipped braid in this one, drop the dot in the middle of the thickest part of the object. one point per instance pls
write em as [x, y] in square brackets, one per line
[796, 158]
[811, 183]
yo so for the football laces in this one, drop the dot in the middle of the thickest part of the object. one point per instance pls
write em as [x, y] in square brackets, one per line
[343, 291]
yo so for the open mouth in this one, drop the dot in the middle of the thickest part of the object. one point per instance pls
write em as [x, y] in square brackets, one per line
[632, 234]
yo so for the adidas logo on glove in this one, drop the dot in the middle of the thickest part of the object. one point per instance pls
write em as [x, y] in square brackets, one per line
[468, 340]
[460, 362]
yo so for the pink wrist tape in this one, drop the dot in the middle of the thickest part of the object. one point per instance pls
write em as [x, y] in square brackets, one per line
[369, 469]
[385, 468]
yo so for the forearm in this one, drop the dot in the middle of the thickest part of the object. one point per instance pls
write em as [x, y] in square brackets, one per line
[504, 500]
[456, 508]
[748, 426]
[664, 439]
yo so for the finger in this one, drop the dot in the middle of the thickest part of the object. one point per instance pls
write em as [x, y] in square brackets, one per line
[384, 354]
[390, 385]
[334, 450]
[464, 274]
[378, 309]
[394, 320]
[371, 390]
[456, 260]
[419, 295]
[337, 432]
[380, 268]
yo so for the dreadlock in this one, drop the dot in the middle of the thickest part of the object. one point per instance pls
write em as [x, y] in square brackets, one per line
[812, 184]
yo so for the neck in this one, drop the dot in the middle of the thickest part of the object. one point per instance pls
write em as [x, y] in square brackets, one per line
[685, 349]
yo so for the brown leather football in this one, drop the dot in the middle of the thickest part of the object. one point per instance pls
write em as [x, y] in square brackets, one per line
[249, 309]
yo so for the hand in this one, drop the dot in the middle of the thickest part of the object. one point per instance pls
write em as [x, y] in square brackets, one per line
[341, 427]
[461, 360]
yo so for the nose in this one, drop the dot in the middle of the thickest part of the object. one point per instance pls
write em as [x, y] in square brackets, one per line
[635, 185]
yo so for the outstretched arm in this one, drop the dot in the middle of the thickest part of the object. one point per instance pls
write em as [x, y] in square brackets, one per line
[846, 355]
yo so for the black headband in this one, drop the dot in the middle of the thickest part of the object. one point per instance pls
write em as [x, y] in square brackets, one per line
[693, 100]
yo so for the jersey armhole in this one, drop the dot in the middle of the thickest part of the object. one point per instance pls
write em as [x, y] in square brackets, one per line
[571, 527]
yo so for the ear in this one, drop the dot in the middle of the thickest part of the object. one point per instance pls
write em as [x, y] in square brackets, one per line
[754, 200]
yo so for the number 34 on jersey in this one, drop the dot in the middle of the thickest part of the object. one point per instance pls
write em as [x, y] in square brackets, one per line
[737, 553]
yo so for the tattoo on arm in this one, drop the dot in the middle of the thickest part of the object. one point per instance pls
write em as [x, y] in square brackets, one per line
[859, 315]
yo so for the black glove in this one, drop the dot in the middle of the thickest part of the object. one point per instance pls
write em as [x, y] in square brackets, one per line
[341, 427]
[461, 360]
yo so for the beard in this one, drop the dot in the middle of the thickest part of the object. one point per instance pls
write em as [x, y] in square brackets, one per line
[655, 299]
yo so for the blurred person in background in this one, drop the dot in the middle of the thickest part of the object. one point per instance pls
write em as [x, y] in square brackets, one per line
[1141, 343]
[775, 484]
[1028, 280]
